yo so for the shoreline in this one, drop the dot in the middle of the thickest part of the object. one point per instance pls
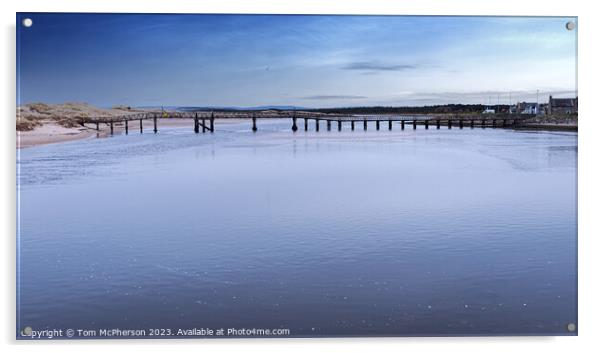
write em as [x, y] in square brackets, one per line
[51, 133]
[549, 127]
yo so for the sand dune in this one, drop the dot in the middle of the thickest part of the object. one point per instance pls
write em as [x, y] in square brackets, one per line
[31, 116]
[40, 123]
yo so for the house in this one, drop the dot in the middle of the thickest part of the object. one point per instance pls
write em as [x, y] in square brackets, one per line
[562, 105]
[527, 108]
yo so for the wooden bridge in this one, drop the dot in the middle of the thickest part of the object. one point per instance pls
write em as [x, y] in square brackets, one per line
[140, 117]
[205, 121]
[484, 120]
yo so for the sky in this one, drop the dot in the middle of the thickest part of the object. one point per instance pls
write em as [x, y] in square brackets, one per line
[304, 61]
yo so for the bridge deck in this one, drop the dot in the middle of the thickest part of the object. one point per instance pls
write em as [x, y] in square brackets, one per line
[200, 119]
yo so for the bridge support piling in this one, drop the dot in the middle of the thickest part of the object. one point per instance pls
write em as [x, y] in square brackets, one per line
[111, 127]
[97, 128]
[154, 124]
[212, 123]
[438, 124]
[203, 123]
[352, 125]
[196, 123]
[414, 124]
[365, 125]
[483, 123]
[403, 124]
[493, 123]
[328, 125]
[472, 124]
[126, 127]
[294, 128]
[377, 125]
[254, 127]
[461, 123]
[390, 125]
[339, 124]
[317, 124]
[140, 125]
[449, 123]
[504, 123]
[305, 124]
[426, 124]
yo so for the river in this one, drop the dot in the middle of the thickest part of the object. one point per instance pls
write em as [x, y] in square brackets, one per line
[377, 233]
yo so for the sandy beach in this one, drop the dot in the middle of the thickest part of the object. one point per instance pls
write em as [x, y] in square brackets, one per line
[51, 132]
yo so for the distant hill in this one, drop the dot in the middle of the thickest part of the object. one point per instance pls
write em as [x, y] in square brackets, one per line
[427, 109]
[263, 107]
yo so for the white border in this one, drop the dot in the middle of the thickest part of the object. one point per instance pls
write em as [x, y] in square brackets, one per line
[589, 171]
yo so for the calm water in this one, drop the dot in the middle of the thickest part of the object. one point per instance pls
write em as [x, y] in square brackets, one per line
[420, 232]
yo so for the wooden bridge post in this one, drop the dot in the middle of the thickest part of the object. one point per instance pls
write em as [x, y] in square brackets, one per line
[97, 128]
[390, 125]
[254, 127]
[504, 123]
[438, 124]
[294, 128]
[449, 123]
[154, 123]
[493, 123]
[483, 123]
[211, 123]
[317, 124]
[196, 123]
[461, 123]
[126, 126]
[328, 125]
[472, 123]
[377, 125]
[403, 124]
[305, 123]
[414, 124]
[352, 125]
[339, 124]
[140, 125]
[426, 124]
[365, 124]
[111, 127]
[204, 124]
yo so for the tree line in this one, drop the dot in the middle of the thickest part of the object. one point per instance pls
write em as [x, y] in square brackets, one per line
[431, 109]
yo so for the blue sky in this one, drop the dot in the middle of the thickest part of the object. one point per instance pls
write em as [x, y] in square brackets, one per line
[307, 61]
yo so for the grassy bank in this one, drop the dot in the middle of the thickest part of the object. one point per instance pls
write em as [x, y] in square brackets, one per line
[33, 115]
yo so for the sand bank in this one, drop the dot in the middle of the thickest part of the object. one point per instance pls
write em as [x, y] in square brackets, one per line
[50, 132]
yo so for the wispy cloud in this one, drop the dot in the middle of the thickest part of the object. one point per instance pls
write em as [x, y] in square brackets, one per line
[331, 97]
[368, 66]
